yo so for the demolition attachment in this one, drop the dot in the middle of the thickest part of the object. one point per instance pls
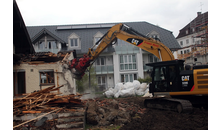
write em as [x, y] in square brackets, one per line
[80, 65]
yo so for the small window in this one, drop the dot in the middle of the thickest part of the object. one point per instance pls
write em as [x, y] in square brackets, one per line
[47, 77]
[187, 51]
[96, 40]
[187, 41]
[181, 43]
[101, 80]
[100, 61]
[181, 52]
[74, 42]
[152, 58]
[187, 32]
[184, 51]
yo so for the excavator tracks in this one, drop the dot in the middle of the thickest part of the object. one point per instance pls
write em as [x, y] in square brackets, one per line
[170, 104]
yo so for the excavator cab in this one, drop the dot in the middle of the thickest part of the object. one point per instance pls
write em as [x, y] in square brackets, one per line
[166, 76]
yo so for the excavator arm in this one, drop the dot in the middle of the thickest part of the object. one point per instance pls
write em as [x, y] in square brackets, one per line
[125, 33]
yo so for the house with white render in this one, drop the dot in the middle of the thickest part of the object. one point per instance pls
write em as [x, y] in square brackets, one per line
[121, 62]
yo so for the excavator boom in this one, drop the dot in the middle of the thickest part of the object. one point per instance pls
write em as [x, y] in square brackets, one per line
[189, 87]
[127, 34]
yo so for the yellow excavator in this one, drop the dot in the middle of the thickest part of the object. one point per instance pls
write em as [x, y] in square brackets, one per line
[175, 86]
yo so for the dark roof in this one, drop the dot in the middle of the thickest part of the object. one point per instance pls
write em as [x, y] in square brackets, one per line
[42, 33]
[200, 20]
[21, 39]
[87, 32]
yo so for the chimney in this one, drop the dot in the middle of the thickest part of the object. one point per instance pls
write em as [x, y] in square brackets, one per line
[198, 13]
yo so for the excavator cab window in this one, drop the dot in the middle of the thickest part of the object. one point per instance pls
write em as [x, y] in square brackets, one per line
[160, 79]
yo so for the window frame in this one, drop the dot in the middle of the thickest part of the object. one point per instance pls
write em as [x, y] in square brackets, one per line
[48, 74]
[99, 61]
[101, 77]
[128, 75]
[74, 44]
[77, 39]
[127, 62]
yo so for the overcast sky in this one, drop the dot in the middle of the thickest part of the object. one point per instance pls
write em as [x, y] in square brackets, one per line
[172, 15]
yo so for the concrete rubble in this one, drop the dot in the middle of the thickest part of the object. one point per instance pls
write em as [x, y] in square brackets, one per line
[110, 111]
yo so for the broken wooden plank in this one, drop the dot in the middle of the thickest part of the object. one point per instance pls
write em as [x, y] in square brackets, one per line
[65, 57]
[36, 118]
[42, 91]
[30, 112]
[57, 88]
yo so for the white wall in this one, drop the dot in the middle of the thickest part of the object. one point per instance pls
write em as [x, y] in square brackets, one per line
[32, 78]
[116, 68]
[140, 64]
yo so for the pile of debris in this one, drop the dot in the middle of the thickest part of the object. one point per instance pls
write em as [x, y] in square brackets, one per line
[47, 101]
[44, 101]
[110, 111]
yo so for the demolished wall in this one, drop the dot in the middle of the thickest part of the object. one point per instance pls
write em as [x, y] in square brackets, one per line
[62, 75]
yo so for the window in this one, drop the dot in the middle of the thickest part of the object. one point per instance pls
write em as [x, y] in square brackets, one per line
[128, 77]
[193, 40]
[49, 45]
[96, 38]
[184, 51]
[46, 77]
[187, 51]
[74, 42]
[181, 43]
[154, 35]
[187, 41]
[100, 61]
[101, 80]
[128, 62]
[152, 58]
[160, 73]
[181, 52]
[187, 32]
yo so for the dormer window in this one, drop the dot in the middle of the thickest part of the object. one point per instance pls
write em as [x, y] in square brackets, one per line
[154, 35]
[74, 41]
[96, 38]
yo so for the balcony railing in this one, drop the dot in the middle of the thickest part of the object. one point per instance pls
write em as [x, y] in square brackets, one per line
[107, 69]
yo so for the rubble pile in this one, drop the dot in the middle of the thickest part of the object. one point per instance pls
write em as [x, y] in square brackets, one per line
[128, 90]
[110, 111]
[44, 101]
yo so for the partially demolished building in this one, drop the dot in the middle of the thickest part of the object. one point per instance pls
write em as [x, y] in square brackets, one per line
[35, 71]
[41, 70]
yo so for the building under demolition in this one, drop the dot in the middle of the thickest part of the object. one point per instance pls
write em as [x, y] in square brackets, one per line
[193, 39]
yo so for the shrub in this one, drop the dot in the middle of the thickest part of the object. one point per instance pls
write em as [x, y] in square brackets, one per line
[147, 80]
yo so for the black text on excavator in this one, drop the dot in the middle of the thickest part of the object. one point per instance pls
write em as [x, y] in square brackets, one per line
[169, 78]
